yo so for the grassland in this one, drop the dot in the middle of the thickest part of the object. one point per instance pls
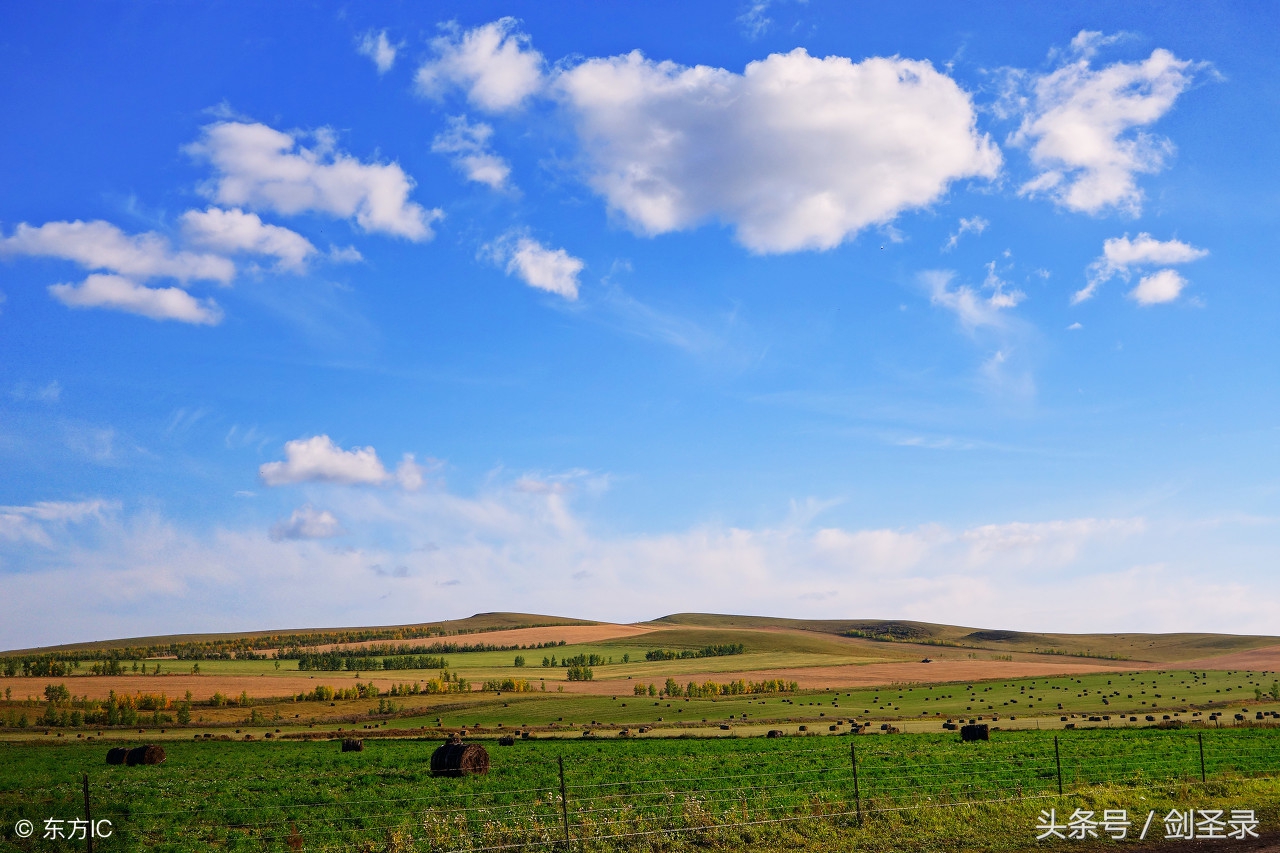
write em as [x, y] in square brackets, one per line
[791, 793]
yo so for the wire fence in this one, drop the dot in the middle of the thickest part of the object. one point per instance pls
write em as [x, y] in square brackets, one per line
[602, 796]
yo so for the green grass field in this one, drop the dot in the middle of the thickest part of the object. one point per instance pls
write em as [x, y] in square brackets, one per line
[789, 793]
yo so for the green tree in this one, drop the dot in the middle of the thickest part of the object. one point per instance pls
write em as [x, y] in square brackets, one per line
[184, 713]
[57, 693]
[519, 660]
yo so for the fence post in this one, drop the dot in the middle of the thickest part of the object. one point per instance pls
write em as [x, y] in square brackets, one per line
[564, 803]
[857, 795]
[1200, 739]
[88, 836]
[1057, 759]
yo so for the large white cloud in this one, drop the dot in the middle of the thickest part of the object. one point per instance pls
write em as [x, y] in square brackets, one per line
[234, 230]
[100, 245]
[1085, 127]
[263, 168]
[469, 145]
[493, 64]
[1120, 256]
[118, 293]
[794, 153]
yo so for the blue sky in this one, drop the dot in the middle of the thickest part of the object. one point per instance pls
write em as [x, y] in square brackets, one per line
[328, 315]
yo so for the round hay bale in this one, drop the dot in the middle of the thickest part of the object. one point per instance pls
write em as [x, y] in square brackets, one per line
[149, 754]
[459, 759]
[351, 744]
[774, 733]
[974, 732]
[507, 740]
[117, 755]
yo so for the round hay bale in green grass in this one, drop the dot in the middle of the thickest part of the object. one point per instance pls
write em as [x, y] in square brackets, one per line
[149, 754]
[351, 744]
[117, 755]
[460, 759]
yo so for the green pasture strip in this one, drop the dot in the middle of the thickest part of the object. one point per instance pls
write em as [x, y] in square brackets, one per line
[255, 796]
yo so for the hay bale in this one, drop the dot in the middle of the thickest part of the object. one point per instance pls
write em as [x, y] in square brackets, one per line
[774, 733]
[456, 758]
[117, 755]
[149, 754]
[507, 740]
[350, 744]
[978, 731]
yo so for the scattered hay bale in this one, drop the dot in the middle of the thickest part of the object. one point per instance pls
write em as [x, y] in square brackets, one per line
[507, 740]
[117, 755]
[774, 733]
[806, 728]
[456, 758]
[149, 754]
[724, 728]
[350, 744]
[977, 731]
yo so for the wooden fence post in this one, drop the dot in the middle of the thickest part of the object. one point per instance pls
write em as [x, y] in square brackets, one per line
[1057, 759]
[88, 817]
[1200, 738]
[564, 803]
[857, 795]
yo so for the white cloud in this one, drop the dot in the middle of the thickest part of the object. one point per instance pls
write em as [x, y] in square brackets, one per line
[466, 554]
[553, 270]
[318, 459]
[100, 245]
[754, 19]
[1160, 287]
[122, 294]
[1074, 327]
[494, 64]
[234, 230]
[409, 474]
[972, 308]
[378, 48]
[263, 168]
[1120, 256]
[1084, 127]
[794, 153]
[972, 225]
[38, 522]
[469, 145]
[307, 522]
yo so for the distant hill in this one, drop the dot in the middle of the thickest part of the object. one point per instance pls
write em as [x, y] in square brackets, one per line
[479, 623]
[696, 629]
[1127, 646]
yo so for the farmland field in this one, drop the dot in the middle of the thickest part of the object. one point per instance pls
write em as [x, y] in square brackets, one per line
[662, 741]
[793, 791]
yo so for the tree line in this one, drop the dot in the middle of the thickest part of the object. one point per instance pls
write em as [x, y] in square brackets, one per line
[704, 652]
[712, 689]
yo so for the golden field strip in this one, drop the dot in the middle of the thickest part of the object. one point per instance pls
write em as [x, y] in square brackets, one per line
[879, 674]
